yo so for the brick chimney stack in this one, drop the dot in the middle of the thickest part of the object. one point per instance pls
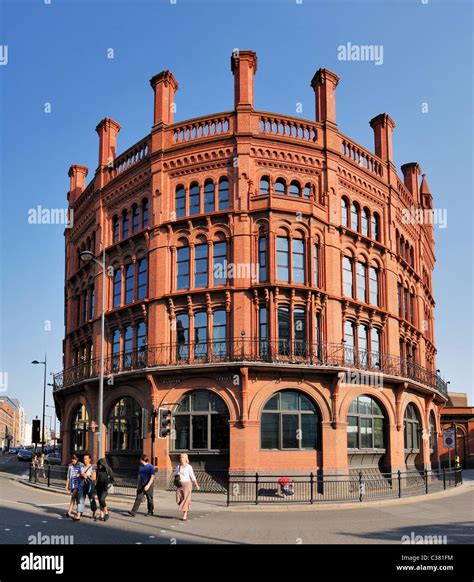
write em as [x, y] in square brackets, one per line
[383, 126]
[107, 130]
[77, 175]
[411, 171]
[164, 86]
[324, 84]
[244, 66]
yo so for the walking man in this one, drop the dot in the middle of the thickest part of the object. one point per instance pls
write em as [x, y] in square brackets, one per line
[146, 477]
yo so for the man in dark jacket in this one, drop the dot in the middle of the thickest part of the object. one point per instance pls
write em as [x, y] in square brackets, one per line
[146, 477]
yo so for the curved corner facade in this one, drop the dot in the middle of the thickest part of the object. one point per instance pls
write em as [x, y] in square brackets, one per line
[267, 282]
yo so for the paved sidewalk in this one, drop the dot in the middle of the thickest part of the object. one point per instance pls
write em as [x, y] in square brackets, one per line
[218, 501]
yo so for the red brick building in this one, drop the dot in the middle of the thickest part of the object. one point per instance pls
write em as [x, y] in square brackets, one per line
[458, 415]
[264, 285]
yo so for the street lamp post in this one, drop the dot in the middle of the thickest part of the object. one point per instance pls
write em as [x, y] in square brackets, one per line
[44, 400]
[88, 256]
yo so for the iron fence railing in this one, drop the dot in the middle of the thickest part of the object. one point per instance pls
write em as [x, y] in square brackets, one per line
[313, 488]
[125, 480]
[237, 350]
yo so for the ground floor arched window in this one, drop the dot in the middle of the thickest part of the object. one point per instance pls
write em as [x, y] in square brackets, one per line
[79, 429]
[201, 423]
[365, 424]
[290, 420]
[412, 428]
[124, 425]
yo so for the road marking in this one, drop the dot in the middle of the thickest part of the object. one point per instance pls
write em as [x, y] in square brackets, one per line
[44, 522]
[152, 537]
[7, 529]
[27, 525]
[138, 543]
[162, 531]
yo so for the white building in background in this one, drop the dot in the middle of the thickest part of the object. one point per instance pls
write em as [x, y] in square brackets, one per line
[28, 429]
[21, 425]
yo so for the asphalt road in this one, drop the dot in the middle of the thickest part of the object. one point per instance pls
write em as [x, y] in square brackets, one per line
[27, 512]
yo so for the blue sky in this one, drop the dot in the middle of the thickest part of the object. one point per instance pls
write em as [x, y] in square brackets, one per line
[57, 54]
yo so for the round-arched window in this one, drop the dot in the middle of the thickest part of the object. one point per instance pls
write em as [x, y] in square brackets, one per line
[365, 424]
[412, 428]
[432, 432]
[201, 422]
[124, 425]
[289, 420]
[79, 428]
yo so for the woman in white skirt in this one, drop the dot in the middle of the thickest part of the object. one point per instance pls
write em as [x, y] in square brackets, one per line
[184, 472]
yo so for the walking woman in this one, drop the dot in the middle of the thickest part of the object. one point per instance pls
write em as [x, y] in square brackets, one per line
[74, 485]
[184, 478]
[88, 475]
[103, 484]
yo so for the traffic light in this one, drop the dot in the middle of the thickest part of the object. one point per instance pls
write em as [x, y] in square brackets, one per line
[164, 420]
[35, 432]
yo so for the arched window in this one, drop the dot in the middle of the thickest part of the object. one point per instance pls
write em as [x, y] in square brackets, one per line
[354, 216]
[124, 426]
[316, 265]
[115, 350]
[262, 259]
[201, 423]
[115, 229]
[117, 299]
[219, 334]
[209, 196]
[375, 227]
[194, 199]
[223, 194]
[348, 287]
[365, 424]
[125, 224]
[297, 260]
[182, 259]
[264, 185]
[412, 257]
[283, 331]
[129, 283]
[127, 347]
[433, 432]
[219, 269]
[201, 265]
[263, 330]
[182, 336]
[365, 222]
[135, 218]
[299, 332]
[345, 212]
[180, 201]
[283, 263]
[361, 274]
[144, 213]
[141, 343]
[307, 191]
[200, 335]
[295, 188]
[142, 289]
[412, 428]
[374, 286]
[289, 420]
[79, 428]
[349, 341]
[280, 186]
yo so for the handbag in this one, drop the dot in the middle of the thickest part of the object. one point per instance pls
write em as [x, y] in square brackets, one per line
[177, 479]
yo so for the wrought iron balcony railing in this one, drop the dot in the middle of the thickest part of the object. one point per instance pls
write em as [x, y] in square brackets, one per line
[278, 352]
